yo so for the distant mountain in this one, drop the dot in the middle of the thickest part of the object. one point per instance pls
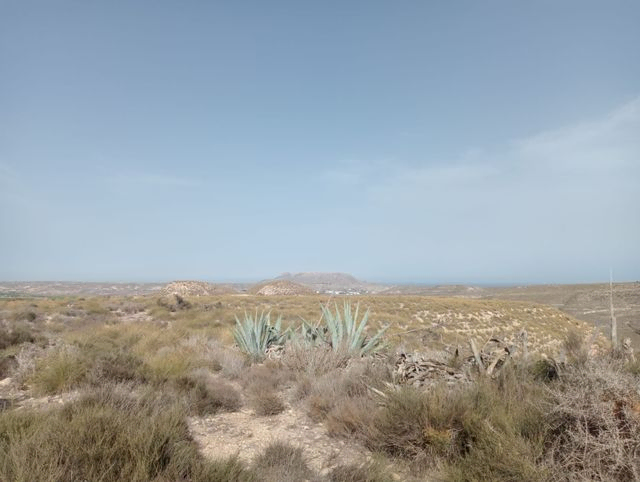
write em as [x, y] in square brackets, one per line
[332, 282]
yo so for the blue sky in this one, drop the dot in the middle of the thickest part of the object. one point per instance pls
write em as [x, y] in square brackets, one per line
[463, 141]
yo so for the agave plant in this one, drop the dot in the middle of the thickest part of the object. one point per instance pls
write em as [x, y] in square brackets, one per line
[342, 330]
[255, 334]
[313, 333]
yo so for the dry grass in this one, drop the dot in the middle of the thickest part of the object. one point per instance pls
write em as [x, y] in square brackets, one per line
[282, 462]
[314, 360]
[267, 403]
[16, 334]
[594, 413]
[264, 377]
[369, 472]
[262, 382]
[336, 389]
[8, 365]
[207, 395]
[348, 416]
[62, 368]
[108, 435]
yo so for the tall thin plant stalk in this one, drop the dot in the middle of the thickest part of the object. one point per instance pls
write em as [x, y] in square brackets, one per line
[614, 322]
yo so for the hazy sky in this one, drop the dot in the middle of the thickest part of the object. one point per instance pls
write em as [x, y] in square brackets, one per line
[467, 141]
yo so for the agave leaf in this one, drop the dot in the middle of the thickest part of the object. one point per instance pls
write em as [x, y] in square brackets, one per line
[255, 334]
[355, 317]
[358, 338]
[339, 322]
[343, 329]
[373, 343]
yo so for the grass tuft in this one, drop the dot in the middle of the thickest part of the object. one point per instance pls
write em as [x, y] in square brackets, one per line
[282, 462]
[207, 395]
[61, 369]
[267, 403]
[370, 472]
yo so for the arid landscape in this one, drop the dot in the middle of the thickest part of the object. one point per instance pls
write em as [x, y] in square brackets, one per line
[319, 241]
[441, 383]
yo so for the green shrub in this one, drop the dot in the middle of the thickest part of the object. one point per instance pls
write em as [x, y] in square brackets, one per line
[545, 370]
[60, 370]
[230, 469]
[111, 436]
[489, 430]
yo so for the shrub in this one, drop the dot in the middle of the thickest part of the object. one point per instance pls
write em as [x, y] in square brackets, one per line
[314, 360]
[63, 368]
[169, 363]
[282, 462]
[109, 435]
[230, 469]
[545, 370]
[594, 415]
[264, 377]
[370, 472]
[633, 367]
[207, 395]
[267, 402]
[398, 429]
[15, 336]
[349, 416]
[482, 431]
[233, 364]
[7, 365]
[116, 366]
[576, 347]
[255, 334]
[331, 389]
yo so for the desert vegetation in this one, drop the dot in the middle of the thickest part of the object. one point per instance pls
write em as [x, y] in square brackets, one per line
[360, 389]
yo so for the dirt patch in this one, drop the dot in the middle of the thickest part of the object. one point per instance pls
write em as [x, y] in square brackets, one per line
[245, 434]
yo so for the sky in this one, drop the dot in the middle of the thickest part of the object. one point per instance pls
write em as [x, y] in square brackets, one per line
[406, 141]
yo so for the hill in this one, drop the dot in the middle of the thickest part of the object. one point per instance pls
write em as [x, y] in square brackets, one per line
[338, 283]
[280, 288]
[196, 288]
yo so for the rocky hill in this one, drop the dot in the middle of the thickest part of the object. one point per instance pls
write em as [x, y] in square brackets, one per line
[342, 283]
[281, 288]
[196, 288]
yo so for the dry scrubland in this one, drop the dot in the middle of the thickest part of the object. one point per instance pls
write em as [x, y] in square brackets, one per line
[154, 388]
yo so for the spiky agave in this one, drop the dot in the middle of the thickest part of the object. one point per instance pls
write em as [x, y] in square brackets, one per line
[255, 334]
[343, 330]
